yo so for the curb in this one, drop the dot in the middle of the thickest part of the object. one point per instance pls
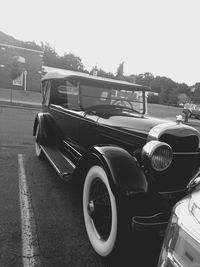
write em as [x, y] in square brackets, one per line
[20, 104]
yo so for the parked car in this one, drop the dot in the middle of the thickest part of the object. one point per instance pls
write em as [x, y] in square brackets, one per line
[132, 168]
[181, 246]
[193, 110]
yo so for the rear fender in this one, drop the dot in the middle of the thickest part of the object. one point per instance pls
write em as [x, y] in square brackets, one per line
[122, 169]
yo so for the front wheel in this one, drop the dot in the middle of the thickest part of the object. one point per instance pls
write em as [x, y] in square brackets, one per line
[101, 214]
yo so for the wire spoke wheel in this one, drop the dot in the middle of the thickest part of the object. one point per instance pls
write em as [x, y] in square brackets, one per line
[99, 208]
[100, 211]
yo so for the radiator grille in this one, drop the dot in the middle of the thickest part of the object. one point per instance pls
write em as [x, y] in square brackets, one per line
[181, 144]
[183, 165]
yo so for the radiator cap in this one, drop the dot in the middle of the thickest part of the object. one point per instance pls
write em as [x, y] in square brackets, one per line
[179, 119]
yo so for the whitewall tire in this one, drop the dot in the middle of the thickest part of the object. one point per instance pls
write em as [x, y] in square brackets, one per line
[38, 150]
[100, 212]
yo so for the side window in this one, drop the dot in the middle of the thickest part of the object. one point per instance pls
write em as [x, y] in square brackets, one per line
[65, 94]
[58, 95]
[72, 91]
[43, 89]
[47, 94]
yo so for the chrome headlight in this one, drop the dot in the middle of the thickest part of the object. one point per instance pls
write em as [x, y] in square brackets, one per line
[157, 155]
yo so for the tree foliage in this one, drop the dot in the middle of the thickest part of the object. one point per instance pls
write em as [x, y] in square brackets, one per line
[120, 71]
[50, 57]
[145, 79]
[67, 61]
[70, 62]
[168, 91]
[195, 95]
[102, 73]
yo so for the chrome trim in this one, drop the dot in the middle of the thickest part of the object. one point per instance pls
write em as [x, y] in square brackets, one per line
[186, 153]
[69, 161]
[174, 260]
[73, 113]
[179, 119]
[72, 148]
[149, 149]
[173, 128]
[151, 146]
[172, 192]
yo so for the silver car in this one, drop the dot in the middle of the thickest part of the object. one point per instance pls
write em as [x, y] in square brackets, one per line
[181, 246]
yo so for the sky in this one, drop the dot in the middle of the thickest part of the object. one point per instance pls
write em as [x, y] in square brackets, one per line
[156, 36]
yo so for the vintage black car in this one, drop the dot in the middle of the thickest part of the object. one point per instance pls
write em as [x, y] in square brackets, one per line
[132, 168]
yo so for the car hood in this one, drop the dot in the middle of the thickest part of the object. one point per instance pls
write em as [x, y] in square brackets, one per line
[132, 124]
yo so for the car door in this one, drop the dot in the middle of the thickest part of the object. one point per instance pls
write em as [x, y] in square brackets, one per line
[66, 113]
[88, 131]
[91, 96]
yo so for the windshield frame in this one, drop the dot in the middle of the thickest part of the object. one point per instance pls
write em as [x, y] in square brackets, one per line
[142, 111]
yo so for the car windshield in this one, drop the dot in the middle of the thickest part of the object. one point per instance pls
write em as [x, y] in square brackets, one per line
[97, 98]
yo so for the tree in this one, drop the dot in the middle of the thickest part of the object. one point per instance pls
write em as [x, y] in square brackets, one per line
[50, 57]
[182, 98]
[70, 62]
[196, 94]
[153, 98]
[120, 72]
[30, 45]
[183, 89]
[102, 73]
[145, 79]
[131, 78]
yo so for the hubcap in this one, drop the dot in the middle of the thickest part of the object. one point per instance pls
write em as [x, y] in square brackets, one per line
[91, 207]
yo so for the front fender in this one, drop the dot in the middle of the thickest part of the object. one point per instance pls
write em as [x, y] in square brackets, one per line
[122, 169]
[40, 119]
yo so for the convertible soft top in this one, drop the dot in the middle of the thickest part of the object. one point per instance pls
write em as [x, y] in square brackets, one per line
[80, 76]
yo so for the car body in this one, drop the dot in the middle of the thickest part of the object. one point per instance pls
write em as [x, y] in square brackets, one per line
[181, 246]
[132, 168]
[192, 109]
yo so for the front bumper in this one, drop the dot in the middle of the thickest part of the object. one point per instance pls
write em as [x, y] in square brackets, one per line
[156, 223]
[161, 206]
[150, 223]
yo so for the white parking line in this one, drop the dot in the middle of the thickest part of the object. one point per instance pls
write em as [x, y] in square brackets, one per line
[30, 248]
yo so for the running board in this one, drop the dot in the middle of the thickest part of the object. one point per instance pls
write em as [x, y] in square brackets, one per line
[63, 166]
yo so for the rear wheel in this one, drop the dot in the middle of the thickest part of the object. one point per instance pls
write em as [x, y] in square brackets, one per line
[38, 150]
[101, 213]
